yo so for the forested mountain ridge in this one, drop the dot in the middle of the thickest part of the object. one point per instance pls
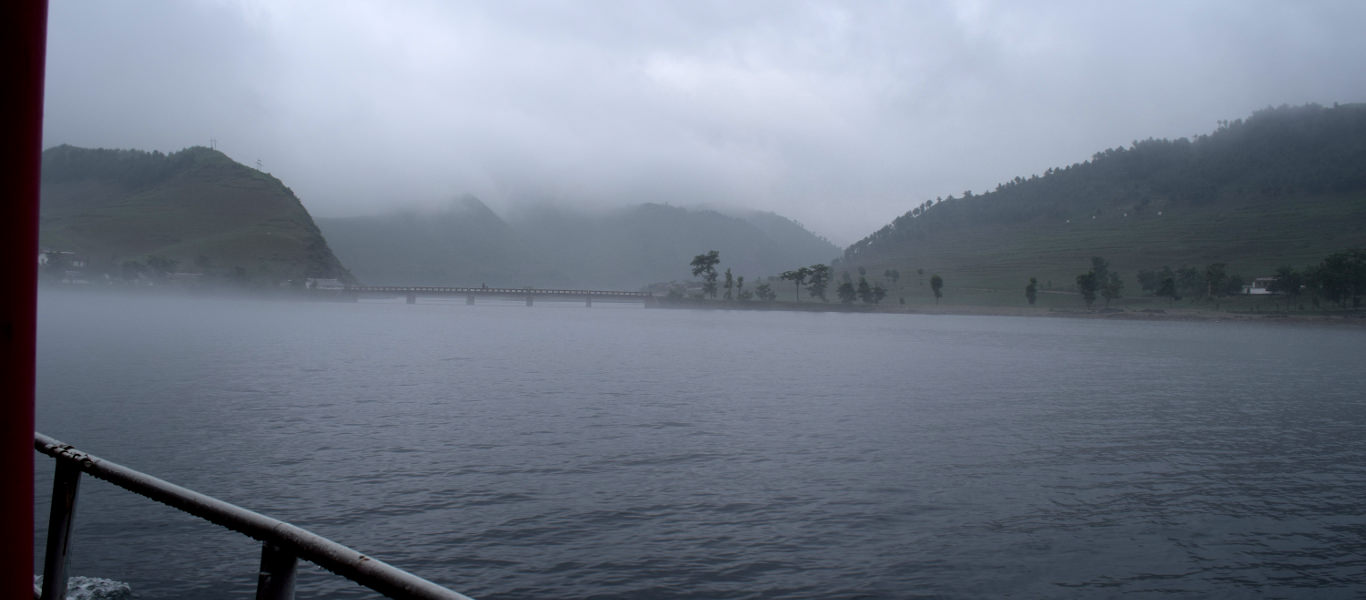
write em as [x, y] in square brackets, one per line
[624, 248]
[1285, 186]
[195, 210]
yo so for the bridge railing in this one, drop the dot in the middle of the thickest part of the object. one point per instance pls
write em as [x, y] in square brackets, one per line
[282, 543]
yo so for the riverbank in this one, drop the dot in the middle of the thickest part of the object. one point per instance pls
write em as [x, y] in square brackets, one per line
[1351, 318]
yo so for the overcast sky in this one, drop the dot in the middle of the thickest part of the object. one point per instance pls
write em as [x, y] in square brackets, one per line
[841, 115]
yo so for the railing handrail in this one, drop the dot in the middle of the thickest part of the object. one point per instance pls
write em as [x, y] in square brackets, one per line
[341, 560]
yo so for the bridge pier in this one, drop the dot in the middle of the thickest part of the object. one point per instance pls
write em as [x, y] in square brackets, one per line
[412, 298]
[590, 301]
[469, 300]
[529, 299]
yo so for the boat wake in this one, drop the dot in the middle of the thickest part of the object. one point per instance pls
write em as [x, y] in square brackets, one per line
[92, 588]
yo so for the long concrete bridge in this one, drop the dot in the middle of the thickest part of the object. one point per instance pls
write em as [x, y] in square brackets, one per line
[530, 294]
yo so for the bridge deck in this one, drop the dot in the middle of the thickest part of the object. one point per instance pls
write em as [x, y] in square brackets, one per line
[488, 291]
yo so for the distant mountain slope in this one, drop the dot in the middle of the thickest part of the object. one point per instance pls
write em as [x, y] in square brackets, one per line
[1285, 186]
[196, 207]
[465, 244]
[637, 245]
[790, 235]
[549, 247]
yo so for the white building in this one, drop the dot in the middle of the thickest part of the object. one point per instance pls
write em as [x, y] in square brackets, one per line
[1260, 286]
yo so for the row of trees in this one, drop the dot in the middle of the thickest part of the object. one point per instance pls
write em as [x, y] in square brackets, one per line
[704, 265]
[1100, 279]
[1340, 279]
[1207, 283]
[1212, 281]
[869, 294]
[818, 280]
[815, 278]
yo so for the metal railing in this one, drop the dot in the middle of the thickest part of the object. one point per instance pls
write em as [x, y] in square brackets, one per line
[282, 544]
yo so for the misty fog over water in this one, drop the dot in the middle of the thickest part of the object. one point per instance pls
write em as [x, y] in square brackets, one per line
[618, 452]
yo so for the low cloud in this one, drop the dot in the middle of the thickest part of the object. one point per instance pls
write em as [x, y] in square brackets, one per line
[840, 115]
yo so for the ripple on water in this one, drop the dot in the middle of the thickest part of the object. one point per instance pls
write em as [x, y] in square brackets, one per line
[847, 456]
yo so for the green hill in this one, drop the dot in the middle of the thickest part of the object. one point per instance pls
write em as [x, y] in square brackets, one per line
[195, 209]
[1285, 186]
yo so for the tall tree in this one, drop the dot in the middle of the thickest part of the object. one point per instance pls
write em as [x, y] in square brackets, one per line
[1341, 277]
[818, 280]
[865, 291]
[937, 285]
[1101, 268]
[1216, 279]
[1167, 289]
[798, 277]
[765, 293]
[729, 285]
[846, 292]
[705, 265]
[1190, 281]
[1087, 285]
[1148, 280]
[1032, 290]
[1112, 288]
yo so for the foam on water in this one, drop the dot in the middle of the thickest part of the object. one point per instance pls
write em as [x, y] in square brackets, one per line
[92, 588]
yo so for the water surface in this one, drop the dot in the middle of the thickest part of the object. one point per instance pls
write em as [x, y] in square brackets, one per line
[618, 452]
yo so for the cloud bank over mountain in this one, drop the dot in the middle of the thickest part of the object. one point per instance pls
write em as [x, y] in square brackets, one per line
[840, 115]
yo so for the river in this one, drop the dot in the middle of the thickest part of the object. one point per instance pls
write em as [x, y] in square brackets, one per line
[618, 452]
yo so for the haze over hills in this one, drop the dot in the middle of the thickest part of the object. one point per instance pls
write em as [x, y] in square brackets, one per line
[193, 210]
[198, 211]
[463, 244]
[655, 242]
[467, 244]
[1284, 186]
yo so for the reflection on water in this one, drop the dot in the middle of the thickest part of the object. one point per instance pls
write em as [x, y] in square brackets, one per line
[617, 452]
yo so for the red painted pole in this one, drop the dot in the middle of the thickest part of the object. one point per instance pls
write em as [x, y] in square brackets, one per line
[23, 46]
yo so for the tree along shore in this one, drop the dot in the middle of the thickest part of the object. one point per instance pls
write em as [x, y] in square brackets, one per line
[1353, 318]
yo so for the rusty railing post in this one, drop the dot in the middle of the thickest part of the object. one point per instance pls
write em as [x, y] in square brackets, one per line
[65, 483]
[276, 580]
